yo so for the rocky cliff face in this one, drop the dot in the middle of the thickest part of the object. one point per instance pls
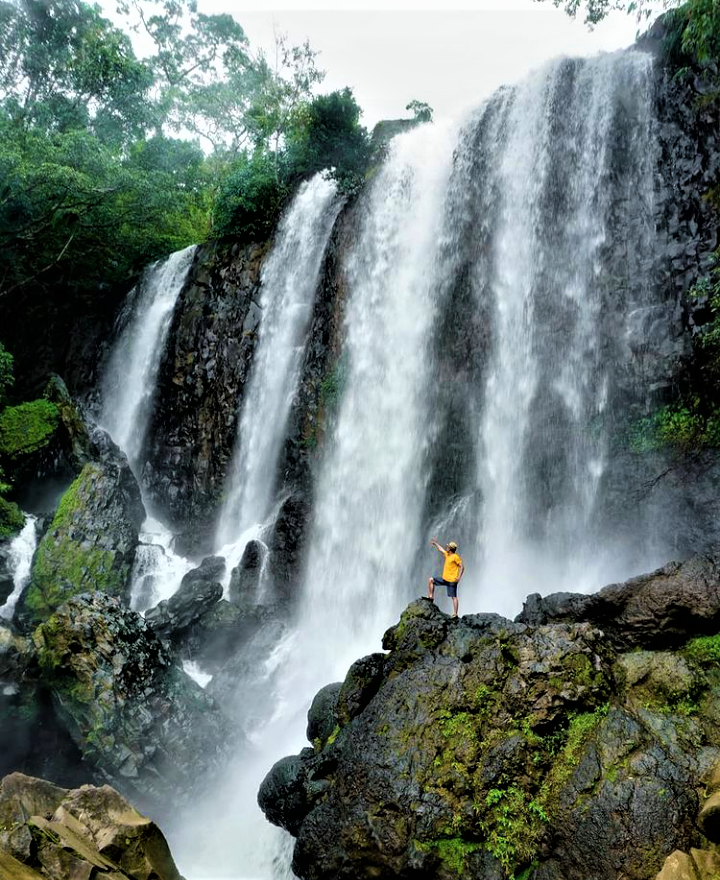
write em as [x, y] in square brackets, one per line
[200, 390]
[567, 745]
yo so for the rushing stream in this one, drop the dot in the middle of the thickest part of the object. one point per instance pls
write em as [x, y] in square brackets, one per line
[475, 388]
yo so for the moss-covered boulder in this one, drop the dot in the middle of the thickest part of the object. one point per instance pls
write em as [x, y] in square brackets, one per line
[486, 748]
[52, 833]
[134, 715]
[90, 544]
[27, 428]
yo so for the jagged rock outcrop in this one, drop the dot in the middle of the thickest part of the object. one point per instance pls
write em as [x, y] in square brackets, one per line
[52, 833]
[90, 544]
[482, 747]
[137, 718]
[199, 590]
[660, 609]
[200, 389]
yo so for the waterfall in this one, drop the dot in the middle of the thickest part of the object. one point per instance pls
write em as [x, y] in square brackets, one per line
[289, 282]
[127, 387]
[481, 360]
[543, 446]
[129, 381]
[22, 550]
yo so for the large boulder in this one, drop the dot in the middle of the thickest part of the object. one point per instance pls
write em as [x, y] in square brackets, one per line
[52, 833]
[90, 544]
[660, 609]
[199, 590]
[482, 747]
[134, 715]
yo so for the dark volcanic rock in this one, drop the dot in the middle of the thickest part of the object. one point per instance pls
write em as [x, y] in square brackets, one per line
[487, 748]
[200, 390]
[137, 717]
[199, 590]
[91, 542]
[245, 577]
[660, 609]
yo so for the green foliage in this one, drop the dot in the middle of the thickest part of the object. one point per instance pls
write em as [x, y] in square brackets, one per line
[692, 422]
[11, 518]
[678, 426]
[6, 372]
[696, 23]
[704, 651]
[421, 111]
[512, 825]
[249, 200]
[332, 138]
[27, 427]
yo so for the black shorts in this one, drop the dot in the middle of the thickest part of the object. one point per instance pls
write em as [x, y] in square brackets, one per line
[451, 586]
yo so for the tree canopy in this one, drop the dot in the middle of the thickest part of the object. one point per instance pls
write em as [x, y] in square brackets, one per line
[109, 160]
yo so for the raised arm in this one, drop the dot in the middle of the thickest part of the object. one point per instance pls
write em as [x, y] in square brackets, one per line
[437, 546]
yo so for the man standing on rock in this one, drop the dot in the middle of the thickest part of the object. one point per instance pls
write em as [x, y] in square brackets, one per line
[453, 570]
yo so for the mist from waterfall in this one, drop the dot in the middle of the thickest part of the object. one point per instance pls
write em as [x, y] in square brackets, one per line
[289, 281]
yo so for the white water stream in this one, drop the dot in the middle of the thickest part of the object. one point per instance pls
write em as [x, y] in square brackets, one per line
[130, 378]
[289, 281]
[22, 550]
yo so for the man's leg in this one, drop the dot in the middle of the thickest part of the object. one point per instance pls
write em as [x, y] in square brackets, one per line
[431, 590]
[454, 605]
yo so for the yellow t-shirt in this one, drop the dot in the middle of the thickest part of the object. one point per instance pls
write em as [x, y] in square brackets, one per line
[451, 569]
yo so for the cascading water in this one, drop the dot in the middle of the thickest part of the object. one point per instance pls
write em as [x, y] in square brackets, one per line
[21, 551]
[499, 236]
[289, 281]
[129, 381]
[543, 444]
[127, 391]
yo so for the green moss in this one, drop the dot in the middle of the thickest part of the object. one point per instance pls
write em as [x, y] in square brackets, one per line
[513, 824]
[63, 567]
[333, 736]
[11, 519]
[704, 651]
[579, 731]
[27, 427]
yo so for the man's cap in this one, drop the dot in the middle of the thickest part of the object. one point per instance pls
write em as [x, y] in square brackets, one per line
[452, 545]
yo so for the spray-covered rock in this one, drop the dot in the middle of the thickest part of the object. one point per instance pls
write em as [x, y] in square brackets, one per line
[146, 725]
[90, 544]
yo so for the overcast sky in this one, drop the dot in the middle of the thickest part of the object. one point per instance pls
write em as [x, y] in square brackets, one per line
[390, 53]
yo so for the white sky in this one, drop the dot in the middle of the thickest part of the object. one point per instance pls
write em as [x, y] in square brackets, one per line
[392, 52]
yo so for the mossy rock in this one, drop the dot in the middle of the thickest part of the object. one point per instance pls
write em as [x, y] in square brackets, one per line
[90, 544]
[11, 519]
[26, 428]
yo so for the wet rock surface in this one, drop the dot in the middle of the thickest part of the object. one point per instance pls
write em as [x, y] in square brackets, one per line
[91, 542]
[136, 717]
[660, 609]
[199, 590]
[51, 832]
[200, 391]
[483, 747]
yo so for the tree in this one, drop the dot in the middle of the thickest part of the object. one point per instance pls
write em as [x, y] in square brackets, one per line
[331, 137]
[421, 111]
[700, 20]
[64, 67]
